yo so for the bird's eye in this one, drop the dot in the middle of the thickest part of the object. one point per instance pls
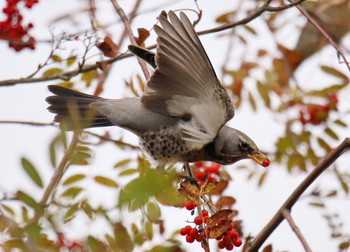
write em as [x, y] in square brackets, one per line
[245, 147]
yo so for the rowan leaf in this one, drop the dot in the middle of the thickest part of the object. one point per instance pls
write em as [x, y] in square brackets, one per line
[105, 181]
[220, 215]
[335, 72]
[74, 178]
[72, 192]
[28, 200]
[32, 172]
[52, 71]
[122, 163]
[218, 230]
[331, 133]
[190, 188]
[225, 201]
[153, 212]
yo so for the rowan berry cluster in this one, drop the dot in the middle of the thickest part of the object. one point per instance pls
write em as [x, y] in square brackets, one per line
[12, 29]
[210, 170]
[63, 242]
[318, 113]
[228, 239]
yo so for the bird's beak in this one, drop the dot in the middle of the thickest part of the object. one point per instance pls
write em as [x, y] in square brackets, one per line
[260, 158]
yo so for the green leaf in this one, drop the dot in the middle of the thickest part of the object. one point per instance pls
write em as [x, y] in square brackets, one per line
[105, 181]
[122, 238]
[323, 144]
[153, 212]
[122, 163]
[70, 214]
[341, 123]
[252, 101]
[326, 91]
[72, 192]
[73, 179]
[264, 93]
[316, 204]
[128, 172]
[8, 209]
[56, 58]
[335, 72]
[52, 71]
[331, 133]
[342, 182]
[149, 230]
[31, 171]
[96, 245]
[71, 60]
[87, 209]
[88, 77]
[28, 200]
[250, 29]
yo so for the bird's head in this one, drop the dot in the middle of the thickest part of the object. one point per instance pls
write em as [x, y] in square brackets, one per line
[232, 145]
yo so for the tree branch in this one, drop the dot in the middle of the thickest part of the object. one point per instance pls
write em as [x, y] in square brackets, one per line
[295, 228]
[289, 203]
[62, 167]
[125, 20]
[87, 68]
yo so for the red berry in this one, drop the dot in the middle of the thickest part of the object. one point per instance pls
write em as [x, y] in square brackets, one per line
[193, 232]
[199, 164]
[237, 242]
[185, 230]
[226, 239]
[221, 245]
[211, 179]
[204, 213]
[233, 234]
[205, 219]
[265, 163]
[199, 238]
[199, 174]
[198, 220]
[190, 238]
[190, 205]
[229, 246]
[219, 237]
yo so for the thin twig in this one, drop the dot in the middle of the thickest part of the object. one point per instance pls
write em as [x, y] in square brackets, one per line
[325, 34]
[28, 123]
[62, 167]
[105, 138]
[295, 228]
[289, 203]
[125, 20]
[69, 74]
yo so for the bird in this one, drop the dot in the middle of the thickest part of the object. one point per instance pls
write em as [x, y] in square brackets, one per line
[181, 115]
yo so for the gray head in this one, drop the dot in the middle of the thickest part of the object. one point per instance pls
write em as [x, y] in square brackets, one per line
[232, 145]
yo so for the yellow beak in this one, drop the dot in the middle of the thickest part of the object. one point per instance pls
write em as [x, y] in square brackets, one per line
[260, 158]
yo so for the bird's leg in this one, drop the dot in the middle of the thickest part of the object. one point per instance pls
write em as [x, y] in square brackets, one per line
[188, 170]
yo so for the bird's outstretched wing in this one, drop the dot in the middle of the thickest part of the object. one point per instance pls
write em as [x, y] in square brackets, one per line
[184, 83]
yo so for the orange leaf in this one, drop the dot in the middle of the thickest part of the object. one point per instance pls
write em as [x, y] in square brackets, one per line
[218, 216]
[225, 201]
[108, 47]
[218, 230]
[143, 35]
[190, 188]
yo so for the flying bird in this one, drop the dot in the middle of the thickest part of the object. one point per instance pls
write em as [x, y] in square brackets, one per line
[182, 114]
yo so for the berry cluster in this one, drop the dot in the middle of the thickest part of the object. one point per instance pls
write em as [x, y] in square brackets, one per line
[12, 29]
[209, 170]
[63, 242]
[228, 239]
[318, 113]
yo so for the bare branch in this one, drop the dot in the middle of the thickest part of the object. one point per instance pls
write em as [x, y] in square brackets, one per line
[28, 123]
[289, 203]
[295, 228]
[69, 74]
[325, 34]
[125, 20]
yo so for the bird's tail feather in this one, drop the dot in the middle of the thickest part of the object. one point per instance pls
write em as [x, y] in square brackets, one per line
[73, 109]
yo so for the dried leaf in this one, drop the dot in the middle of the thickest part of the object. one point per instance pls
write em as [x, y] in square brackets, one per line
[190, 188]
[108, 47]
[219, 187]
[316, 204]
[268, 248]
[220, 215]
[52, 71]
[218, 230]
[225, 201]
[143, 35]
[335, 72]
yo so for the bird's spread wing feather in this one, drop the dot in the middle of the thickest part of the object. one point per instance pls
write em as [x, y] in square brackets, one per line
[184, 83]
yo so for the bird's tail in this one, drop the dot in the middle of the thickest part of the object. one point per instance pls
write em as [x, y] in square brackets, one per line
[73, 110]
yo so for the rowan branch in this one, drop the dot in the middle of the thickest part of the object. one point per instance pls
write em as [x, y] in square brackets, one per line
[56, 178]
[69, 74]
[125, 20]
[293, 198]
[325, 34]
[295, 228]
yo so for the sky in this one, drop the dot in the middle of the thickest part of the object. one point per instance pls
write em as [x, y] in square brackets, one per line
[26, 102]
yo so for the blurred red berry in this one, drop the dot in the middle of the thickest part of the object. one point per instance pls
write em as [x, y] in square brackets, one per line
[193, 232]
[190, 238]
[190, 205]
[185, 230]
[199, 174]
[266, 163]
[204, 213]
[221, 245]
[199, 164]
[237, 242]
[229, 246]
[199, 238]
[198, 220]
